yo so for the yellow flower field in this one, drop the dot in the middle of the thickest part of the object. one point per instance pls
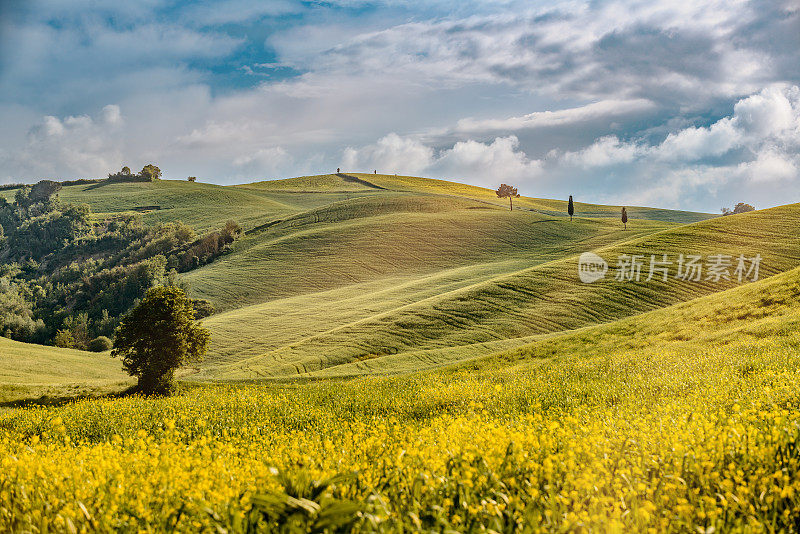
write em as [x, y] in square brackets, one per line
[471, 450]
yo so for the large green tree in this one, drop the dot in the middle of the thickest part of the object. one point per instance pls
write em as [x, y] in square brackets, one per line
[157, 337]
[151, 172]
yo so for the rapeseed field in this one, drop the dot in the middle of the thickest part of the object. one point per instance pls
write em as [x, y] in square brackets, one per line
[700, 441]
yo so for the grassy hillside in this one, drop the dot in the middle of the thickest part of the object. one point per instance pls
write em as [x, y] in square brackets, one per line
[754, 317]
[324, 253]
[202, 206]
[30, 371]
[546, 297]
[545, 206]
[398, 234]
[323, 183]
[207, 205]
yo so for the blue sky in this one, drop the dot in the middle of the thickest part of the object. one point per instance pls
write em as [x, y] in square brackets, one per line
[690, 105]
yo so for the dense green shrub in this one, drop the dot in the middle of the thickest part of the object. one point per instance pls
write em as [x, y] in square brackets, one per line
[100, 344]
[202, 308]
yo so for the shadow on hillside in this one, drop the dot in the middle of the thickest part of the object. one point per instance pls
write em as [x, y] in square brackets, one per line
[357, 180]
[59, 400]
[104, 182]
[98, 185]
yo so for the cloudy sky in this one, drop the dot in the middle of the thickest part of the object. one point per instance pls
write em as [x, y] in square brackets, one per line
[690, 105]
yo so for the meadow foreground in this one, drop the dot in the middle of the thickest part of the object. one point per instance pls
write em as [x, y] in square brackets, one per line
[696, 433]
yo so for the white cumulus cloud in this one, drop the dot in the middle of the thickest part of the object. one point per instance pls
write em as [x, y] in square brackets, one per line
[69, 147]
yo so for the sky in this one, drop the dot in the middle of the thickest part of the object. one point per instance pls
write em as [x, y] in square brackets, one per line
[690, 105]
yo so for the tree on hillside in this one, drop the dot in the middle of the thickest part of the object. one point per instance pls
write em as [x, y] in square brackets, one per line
[43, 190]
[157, 337]
[625, 217]
[192, 178]
[570, 208]
[741, 207]
[506, 191]
[150, 172]
[126, 171]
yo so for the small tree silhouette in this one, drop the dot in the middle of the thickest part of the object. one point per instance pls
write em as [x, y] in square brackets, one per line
[625, 218]
[506, 191]
[570, 208]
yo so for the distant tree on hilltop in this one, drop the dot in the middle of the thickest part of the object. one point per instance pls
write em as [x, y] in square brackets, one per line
[192, 178]
[506, 191]
[741, 207]
[148, 174]
[625, 218]
[570, 208]
[151, 172]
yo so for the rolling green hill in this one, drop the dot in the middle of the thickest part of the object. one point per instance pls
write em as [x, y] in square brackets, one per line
[206, 206]
[753, 317]
[509, 303]
[30, 371]
[357, 273]
[545, 206]
[752, 320]
[401, 234]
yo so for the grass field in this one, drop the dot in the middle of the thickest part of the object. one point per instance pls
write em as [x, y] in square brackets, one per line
[323, 252]
[404, 323]
[36, 372]
[357, 273]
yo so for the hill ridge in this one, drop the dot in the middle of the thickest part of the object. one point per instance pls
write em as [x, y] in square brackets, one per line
[420, 316]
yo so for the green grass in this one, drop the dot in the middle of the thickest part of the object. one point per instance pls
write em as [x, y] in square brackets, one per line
[323, 183]
[205, 206]
[202, 206]
[377, 237]
[746, 320]
[545, 206]
[364, 270]
[404, 323]
[29, 371]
